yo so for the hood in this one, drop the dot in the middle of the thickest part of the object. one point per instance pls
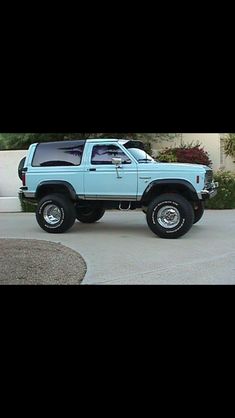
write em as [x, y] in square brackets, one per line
[187, 166]
[175, 166]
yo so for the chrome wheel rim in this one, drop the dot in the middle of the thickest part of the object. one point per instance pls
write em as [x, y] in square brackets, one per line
[168, 217]
[52, 214]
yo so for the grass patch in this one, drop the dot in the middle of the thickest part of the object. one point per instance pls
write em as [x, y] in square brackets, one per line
[26, 206]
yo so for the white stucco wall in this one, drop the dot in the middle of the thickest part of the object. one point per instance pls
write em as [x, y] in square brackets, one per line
[209, 141]
[9, 180]
[211, 144]
[229, 164]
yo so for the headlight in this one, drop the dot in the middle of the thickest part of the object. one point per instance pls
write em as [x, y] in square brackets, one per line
[208, 178]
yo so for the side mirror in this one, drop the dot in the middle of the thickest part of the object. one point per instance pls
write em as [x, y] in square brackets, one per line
[117, 161]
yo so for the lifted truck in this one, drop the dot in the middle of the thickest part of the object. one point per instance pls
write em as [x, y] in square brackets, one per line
[71, 180]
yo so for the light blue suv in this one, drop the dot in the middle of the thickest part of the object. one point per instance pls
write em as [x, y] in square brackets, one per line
[80, 179]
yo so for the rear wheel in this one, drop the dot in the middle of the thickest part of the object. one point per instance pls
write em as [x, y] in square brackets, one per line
[55, 213]
[89, 214]
[198, 213]
[170, 216]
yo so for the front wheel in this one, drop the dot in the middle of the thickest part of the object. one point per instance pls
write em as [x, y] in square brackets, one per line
[170, 216]
[55, 213]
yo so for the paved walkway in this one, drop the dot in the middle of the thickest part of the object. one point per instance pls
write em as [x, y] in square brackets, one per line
[120, 248]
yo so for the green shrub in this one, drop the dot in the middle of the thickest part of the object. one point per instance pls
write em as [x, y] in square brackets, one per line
[167, 156]
[193, 154]
[225, 198]
[26, 206]
[148, 148]
[229, 145]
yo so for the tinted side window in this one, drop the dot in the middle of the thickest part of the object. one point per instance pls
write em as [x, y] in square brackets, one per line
[58, 154]
[103, 154]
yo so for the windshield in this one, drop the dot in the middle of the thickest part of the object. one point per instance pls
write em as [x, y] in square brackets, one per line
[140, 155]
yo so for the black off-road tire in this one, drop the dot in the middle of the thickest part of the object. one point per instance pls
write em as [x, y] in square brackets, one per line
[66, 210]
[170, 216]
[198, 213]
[89, 215]
[20, 167]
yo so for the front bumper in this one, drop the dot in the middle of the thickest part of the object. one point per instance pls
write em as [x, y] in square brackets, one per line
[210, 192]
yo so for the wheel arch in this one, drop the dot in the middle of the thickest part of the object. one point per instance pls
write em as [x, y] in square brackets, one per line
[158, 187]
[55, 186]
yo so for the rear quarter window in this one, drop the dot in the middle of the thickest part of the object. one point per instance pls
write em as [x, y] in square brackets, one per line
[55, 154]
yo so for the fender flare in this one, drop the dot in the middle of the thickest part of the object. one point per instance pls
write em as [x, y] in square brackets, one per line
[168, 182]
[65, 184]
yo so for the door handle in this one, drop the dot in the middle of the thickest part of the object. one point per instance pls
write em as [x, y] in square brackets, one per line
[91, 169]
[145, 178]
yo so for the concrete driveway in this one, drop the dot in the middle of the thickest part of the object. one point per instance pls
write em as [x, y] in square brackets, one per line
[120, 249]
